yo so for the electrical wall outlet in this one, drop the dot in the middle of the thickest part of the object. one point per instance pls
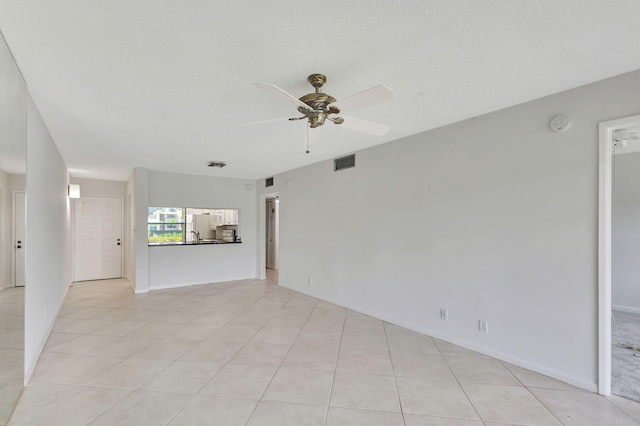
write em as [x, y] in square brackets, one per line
[444, 314]
[483, 326]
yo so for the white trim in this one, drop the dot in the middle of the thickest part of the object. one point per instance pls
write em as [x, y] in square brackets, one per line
[140, 291]
[13, 277]
[629, 309]
[559, 375]
[261, 238]
[605, 176]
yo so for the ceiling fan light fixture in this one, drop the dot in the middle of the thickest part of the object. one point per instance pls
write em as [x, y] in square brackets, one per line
[316, 119]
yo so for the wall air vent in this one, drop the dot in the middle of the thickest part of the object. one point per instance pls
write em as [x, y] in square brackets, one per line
[268, 182]
[344, 162]
[220, 164]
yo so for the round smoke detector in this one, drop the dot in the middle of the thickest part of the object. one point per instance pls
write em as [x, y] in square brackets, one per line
[560, 123]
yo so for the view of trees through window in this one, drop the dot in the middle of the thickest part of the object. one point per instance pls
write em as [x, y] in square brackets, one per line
[166, 224]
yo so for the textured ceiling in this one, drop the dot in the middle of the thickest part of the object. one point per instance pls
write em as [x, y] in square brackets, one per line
[164, 84]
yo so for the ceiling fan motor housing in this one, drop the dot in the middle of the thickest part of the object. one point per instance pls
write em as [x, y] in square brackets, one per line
[318, 100]
[319, 103]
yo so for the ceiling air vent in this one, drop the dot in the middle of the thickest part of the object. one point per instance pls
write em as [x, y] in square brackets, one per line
[220, 164]
[344, 162]
[268, 182]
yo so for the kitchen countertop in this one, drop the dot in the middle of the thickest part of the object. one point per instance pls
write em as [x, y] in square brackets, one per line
[190, 243]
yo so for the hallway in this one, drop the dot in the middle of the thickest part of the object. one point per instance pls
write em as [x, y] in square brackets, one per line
[253, 353]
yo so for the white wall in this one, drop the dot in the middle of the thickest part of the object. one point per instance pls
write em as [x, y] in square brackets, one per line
[5, 231]
[493, 218]
[130, 241]
[48, 262]
[97, 187]
[625, 233]
[139, 186]
[175, 266]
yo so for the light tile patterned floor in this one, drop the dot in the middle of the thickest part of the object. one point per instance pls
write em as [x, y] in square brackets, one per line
[11, 349]
[252, 353]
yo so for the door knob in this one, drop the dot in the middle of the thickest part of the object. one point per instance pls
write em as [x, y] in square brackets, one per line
[19, 242]
[19, 246]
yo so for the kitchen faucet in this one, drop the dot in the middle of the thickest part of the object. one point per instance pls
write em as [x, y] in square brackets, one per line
[197, 234]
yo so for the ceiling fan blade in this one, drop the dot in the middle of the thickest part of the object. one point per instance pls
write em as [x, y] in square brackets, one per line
[278, 91]
[368, 97]
[263, 122]
[364, 126]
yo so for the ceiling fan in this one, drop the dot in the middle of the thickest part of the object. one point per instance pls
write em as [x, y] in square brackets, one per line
[318, 107]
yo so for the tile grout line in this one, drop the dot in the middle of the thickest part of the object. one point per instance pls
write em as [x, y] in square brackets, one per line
[285, 356]
[459, 384]
[335, 370]
[393, 370]
[531, 393]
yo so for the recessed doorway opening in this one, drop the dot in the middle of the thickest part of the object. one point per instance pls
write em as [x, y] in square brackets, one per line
[613, 206]
[272, 219]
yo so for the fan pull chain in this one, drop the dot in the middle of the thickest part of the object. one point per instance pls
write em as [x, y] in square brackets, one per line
[308, 138]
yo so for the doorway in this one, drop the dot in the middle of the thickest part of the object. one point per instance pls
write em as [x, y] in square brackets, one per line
[272, 210]
[608, 332]
[97, 242]
[19, 238]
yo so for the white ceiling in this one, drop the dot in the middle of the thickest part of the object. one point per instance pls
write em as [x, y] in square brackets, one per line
[163, 84]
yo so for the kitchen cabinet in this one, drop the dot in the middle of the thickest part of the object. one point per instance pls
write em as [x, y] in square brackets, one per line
[221, 217]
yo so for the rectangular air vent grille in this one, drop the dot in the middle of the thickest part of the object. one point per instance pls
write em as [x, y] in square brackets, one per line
[268, 182]
[344, 162]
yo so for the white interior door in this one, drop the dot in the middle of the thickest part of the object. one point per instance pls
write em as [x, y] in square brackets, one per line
[97, 238]
[19, 235]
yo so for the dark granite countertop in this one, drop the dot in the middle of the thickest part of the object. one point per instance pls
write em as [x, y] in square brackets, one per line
[201, 243]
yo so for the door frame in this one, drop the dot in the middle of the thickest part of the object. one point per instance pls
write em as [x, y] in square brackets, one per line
[605, 193]
[13, 269]
[276, 230]
[73, 232]
[261, 260]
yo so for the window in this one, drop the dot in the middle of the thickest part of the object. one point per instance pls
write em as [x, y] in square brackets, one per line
[166, 225]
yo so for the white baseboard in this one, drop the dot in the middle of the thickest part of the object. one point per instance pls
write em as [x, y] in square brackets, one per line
[559, 375]
[629, 309]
